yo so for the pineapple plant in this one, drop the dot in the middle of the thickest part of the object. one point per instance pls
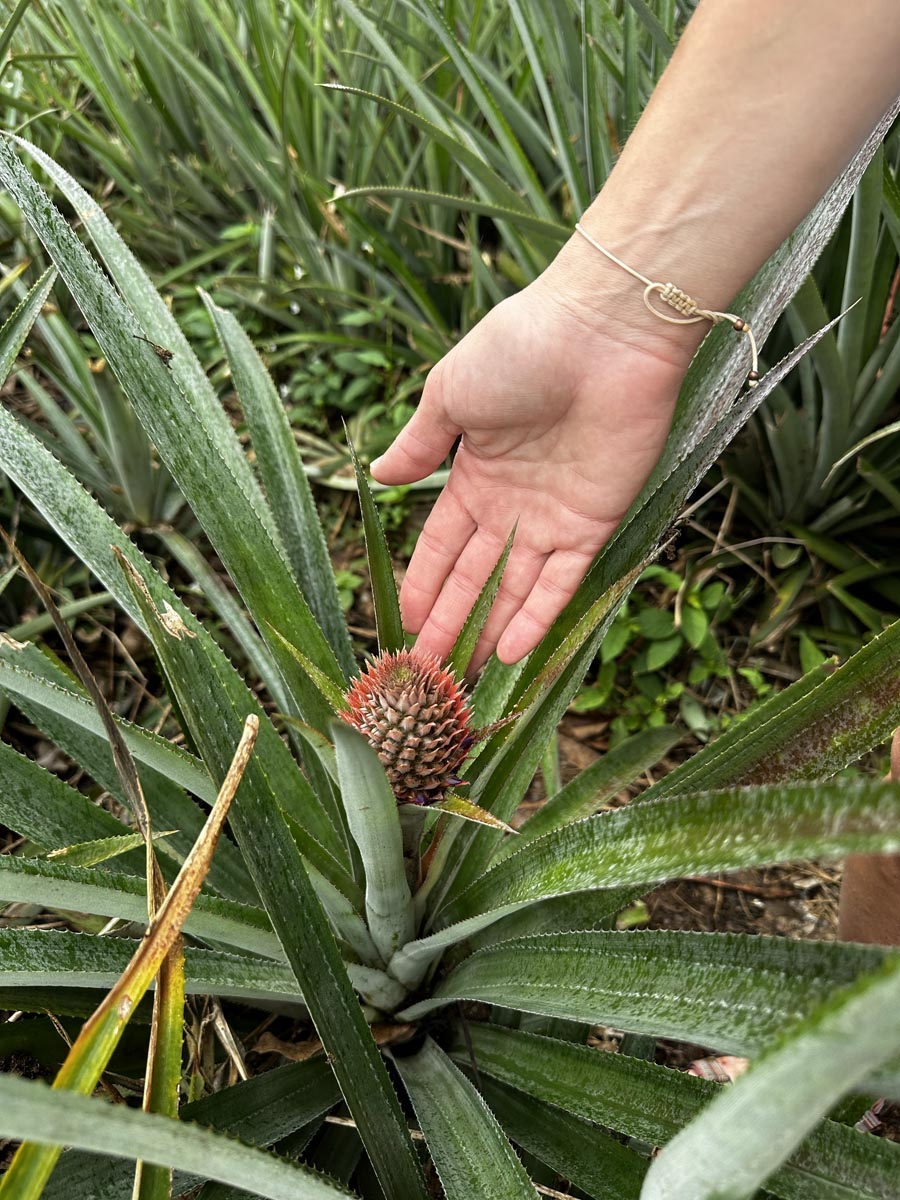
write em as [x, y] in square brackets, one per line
[369, 881]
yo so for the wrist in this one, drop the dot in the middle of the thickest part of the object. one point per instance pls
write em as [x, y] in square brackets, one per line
[676, 249]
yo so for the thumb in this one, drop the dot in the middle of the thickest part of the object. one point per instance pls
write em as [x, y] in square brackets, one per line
[421, 446]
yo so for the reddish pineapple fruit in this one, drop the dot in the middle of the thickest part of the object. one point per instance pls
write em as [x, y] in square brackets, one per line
[417, 717]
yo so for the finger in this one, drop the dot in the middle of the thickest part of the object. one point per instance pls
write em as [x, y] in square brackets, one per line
[522, 572]
[558, 582]
[459, 593]
[443, 537]
[423, 444]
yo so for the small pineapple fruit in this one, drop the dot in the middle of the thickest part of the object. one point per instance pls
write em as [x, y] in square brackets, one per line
[417, 717]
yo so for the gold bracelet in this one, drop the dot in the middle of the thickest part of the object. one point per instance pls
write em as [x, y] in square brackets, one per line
[690, 310]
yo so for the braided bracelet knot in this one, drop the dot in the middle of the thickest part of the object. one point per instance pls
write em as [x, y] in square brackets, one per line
[688, 308]
[677, 299]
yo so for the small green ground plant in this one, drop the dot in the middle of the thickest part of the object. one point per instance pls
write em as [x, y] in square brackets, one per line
[661, 654]
[451, 968]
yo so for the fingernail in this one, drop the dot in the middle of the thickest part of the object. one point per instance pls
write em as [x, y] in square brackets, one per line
[373, 465]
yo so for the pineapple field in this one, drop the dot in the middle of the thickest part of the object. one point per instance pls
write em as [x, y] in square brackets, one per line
[290, 908]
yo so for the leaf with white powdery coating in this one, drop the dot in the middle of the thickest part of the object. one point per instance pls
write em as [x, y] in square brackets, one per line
[745, 1134]
[106, 894]
[652, 1103]
[722, 990]
[374, 822]
[663, 839]
[35, 958]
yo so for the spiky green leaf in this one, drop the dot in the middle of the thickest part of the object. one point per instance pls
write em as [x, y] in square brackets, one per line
[282, 474]
[388, 622]
[727, 1153]
[469, 1150]
[31, 1109]
[663, 839]
[723, 990]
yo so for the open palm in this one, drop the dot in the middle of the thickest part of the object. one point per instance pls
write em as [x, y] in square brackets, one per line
[560, 426]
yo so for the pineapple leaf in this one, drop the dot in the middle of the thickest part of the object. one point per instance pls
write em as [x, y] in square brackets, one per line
[654, 840]
[46, 958]
[501, 776]
[551, 229]
[41, 690]
[200, 451]
[103, 893]
[260, 1110]
[459, 806]
[39, 806]
[388, 621]
[492, 690]
[652, 1103]
[31, 1109]
[102, 545]
[374, 822]
[90, 854]
[156, 321]
[20, 664]
[331, 694]
[287, 488]
[276, 865]
[18, 324]
[317, 742]
[695, 834]
[210, 685]
[469, 1149]
[596, 784]
[479, 171]
[162, 1076]
[228, 608]
[91, 1051]
[577, 1150]
[812, 729]
[753, 1126]
[722, 990]
[578, 911]
[464, 646]
[344, 914]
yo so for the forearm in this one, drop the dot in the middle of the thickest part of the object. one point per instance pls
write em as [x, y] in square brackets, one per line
[759, 110]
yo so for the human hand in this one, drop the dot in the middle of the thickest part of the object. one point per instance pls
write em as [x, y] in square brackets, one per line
[562, 418]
